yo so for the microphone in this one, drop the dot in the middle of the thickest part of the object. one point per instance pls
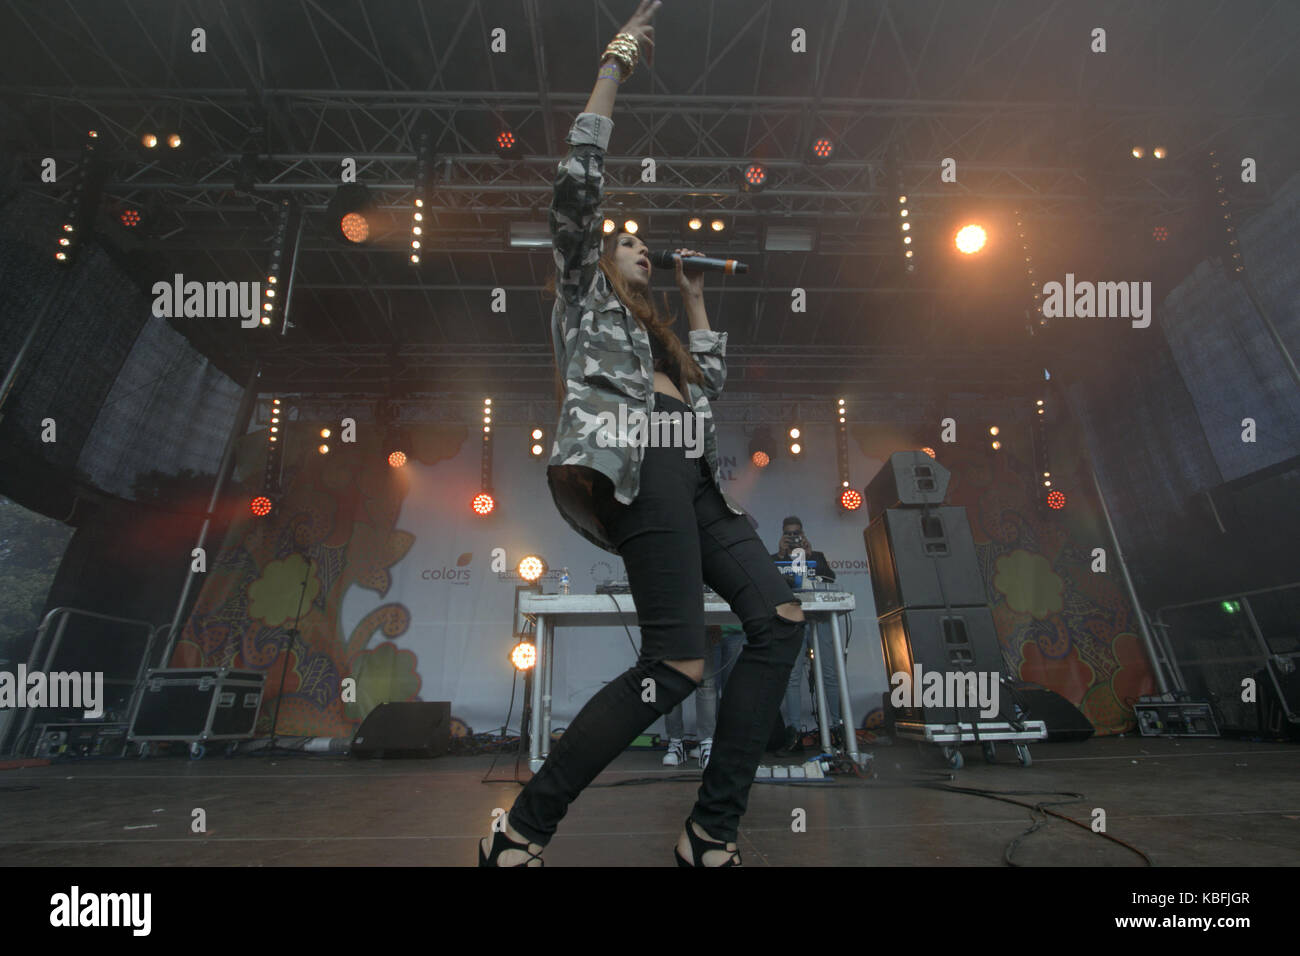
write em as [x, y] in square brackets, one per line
[668, 260]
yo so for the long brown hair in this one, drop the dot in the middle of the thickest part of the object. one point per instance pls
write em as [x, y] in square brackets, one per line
[659, 325]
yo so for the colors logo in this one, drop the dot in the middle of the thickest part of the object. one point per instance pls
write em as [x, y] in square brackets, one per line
[461, 574]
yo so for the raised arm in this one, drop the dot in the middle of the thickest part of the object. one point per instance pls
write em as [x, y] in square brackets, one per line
[575, 217]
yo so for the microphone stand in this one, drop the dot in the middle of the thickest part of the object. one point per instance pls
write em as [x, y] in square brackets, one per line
[291, 637]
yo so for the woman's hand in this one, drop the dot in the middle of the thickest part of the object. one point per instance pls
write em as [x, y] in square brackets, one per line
[639, 26]
[692, 286]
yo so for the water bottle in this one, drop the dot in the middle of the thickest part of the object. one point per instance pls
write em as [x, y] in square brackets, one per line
[564, 580]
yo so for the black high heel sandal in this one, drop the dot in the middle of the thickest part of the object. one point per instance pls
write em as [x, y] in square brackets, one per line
[700, 846]
[500, 843]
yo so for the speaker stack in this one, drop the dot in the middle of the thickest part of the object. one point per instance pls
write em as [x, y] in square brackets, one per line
[930, 600]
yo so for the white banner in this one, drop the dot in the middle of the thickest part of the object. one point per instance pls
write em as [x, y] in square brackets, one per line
[462, 612]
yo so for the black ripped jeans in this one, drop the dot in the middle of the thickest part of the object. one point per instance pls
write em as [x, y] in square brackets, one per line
[676, 535]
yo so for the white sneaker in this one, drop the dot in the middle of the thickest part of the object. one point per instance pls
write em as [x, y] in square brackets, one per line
[676, 754]
[705, 749]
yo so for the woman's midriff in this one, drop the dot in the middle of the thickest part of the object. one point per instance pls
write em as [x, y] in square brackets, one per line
[665, 384]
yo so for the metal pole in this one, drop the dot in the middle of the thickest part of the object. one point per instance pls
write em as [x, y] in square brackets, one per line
[237, 429]
[1255, 629]
[293, 273]
[1147, 640]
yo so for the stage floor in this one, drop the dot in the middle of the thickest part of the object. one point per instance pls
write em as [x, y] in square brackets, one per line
[1182, 802]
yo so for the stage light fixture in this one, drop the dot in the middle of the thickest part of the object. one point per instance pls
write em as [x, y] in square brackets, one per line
[323, 449]
[83, 204]
[753, 178]
[821, 151]
[174, 141]
[1159, 152]
[717, 225]
[130, 217]
[260, 506]
[1055, 500]
[1137, 152]
[149, 141]
[423, 168]
[507, 145]
[324, 433]
[842, 444]
[288, 221]
[609, 226]
[1231, 607]
[894, 177]
[970, 239]
[785, 238]
[484, 502]
[760, 459]
[996, 445]
[536, 446]
[1160, 233]
[631, 226]
[531, 567]
[530, 235]
[850, 500]
[695, 224]
[523, 655]
[350, 212]
[993, 429]
[396, 459]
[1230, 249]
[929, 451]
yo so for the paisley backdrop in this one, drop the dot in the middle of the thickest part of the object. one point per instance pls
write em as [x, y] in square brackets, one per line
[392, 581]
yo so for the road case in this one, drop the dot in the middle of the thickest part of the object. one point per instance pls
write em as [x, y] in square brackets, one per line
[197, 704]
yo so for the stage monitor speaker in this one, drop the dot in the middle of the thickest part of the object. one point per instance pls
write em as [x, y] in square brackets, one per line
[908, 478]
[963, 640]
[405, 729]
[919, 558]
[1064, 720]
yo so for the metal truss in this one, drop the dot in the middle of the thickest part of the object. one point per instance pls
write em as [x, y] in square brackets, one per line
[377, 83]
[319, 407]
[706, 182]
[531, 369]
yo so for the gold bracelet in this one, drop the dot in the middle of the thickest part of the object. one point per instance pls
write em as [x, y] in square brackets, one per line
[624, 48]
[632, 44]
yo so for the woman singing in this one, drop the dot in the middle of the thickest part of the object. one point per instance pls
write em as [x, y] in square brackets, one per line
[659, 508]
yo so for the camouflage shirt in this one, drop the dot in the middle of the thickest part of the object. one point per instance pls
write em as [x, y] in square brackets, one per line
[602, 352]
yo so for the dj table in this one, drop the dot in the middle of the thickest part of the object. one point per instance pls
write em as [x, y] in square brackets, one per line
[550, 611]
